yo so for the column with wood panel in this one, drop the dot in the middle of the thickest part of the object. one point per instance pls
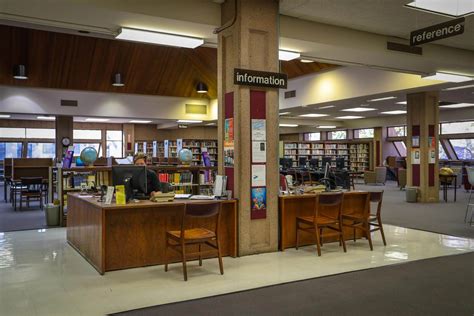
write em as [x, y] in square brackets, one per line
[249, 42]
[64, 129]
[422, 144]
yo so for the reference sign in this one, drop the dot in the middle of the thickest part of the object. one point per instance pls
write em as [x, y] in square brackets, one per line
[437, 32]
[260, 78]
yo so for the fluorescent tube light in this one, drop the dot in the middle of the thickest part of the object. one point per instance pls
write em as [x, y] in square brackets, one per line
[50, 118]
[401, 102]
[288, 125]
[287, 55]
[140, 121]
[306, 61]
[394, 112]
[285, 113]
[327, 107]
[457, 106]
[189, 121]
[350, 117]
[5, 115]
[460, 87]
[95, 119]
[327, 126]
[451, 8]
[359, 110]
[210, 124]
[381, 99]
[313, 115]
[442, 76]
[137, 35]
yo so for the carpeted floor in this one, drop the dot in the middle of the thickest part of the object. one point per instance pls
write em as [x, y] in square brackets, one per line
[440, 286]
[445, 218]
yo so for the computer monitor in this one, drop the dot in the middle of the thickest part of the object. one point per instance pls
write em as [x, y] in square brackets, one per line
[302, 161]
[340, 163]
[325, 161]
[134, 179]
[314, 163]
[286, 163]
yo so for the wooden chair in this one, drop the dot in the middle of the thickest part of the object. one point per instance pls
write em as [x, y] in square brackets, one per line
[32, 189]
[359, 217]
[376, 219]
[179, 239]
[327, 215]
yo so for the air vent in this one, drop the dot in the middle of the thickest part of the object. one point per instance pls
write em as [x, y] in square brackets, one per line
[404, 48]
[196, 109]
[290, 94]
[69, 103]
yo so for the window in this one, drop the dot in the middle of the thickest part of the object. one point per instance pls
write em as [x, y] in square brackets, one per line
[364, 133]
[396, 131]
[337, 135]
[10, 150]
[401, 148]
[457, 127]
[87, 134]
[12, 132]
[114, 143]
[464, 148]
[46, 133]
[78, 147]
[442, 153]
[312, 136]
[41, 150]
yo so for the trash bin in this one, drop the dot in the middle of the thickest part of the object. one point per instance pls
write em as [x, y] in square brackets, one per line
[411, 194]
[52, 214]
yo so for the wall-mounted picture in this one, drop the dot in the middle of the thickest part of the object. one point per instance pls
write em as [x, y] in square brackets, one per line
[259, 198]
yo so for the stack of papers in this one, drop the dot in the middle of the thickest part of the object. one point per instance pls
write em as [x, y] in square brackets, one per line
[163, 197]
[182, 196]
[202, 197]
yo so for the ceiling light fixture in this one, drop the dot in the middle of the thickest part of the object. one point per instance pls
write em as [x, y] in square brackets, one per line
[327, 107]
[48, 118]
[313, 115]
[140, 121]
[189, 121]
[460, 87]
[96, 119]
[19, 72]
[211, 124]
[287, 55]
[350, 117]
[146, 36]
[460, 8]
[5, 115]
[443, 76]
[359, 110]
[327, 126]
[306, 61]
[201, 87]
[457, 106]
[288, 125]
[394, 112]
[285, 113]
[381, 99]
[118, 80]
[401, 102]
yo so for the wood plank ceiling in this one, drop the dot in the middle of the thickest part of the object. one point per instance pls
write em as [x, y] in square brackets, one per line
[65, 61]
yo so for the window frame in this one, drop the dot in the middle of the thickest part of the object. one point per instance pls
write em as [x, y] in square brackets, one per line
[355, 132]
[311, 140]
[339, 130]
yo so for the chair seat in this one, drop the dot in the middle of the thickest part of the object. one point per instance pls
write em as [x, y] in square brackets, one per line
[320, 220]
[193, 234]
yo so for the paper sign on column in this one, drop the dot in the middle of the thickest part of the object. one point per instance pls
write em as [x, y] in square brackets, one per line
[259, 152]
[432, 158]
[259, 129]
[415, 156]
[258, 175]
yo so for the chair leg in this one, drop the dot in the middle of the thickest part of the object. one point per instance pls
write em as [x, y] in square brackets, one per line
[297, 237]
[354, 233]
[341, 236]
[321, 237]
[183, 258]
[221, 265]
[369, 237]
[200, 255]
[318, 240]
[379, 220]
[166, 255]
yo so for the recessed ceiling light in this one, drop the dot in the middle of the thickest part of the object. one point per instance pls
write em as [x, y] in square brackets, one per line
[313, 115]
[442, 76]
[137, 35]
[95, 119]
[288, 125]
[381, 99]
[306, 61]
[189, 121]
[460, 87]
[287, 55]
[394, 112]
[457, 106]
[49, 118]
[285, 113]
[210, 124]
[5, 115]
[327, 126]
[350, 117]
[359, 110]
[327, 107]
[451, 8]
[401, 102]
[140, 121]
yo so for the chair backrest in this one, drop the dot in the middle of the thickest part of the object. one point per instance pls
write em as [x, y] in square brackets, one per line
[470, 175]
[357, 203]
[380, 174]
[329, 204]
[201, 210]
[376, 197]
[283, 183]
[289, 179]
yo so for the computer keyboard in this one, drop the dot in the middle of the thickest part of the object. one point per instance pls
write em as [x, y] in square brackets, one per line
[201, 197]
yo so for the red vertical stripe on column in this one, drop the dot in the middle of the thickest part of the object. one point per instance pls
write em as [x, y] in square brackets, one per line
[229, 113]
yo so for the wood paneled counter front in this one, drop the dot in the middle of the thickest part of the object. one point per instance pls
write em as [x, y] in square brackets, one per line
[114, 237]
[291, 206]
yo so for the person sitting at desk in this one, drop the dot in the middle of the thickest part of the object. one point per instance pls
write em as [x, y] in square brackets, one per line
[153, 185]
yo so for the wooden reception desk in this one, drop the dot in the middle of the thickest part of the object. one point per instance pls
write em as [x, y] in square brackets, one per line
[114, 237]
[291, 206]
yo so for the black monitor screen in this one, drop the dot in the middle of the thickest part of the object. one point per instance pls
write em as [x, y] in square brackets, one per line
[133, 177]
[325, 161]
[286, 163]
[302, 162]
[340, 163]
[314, 163]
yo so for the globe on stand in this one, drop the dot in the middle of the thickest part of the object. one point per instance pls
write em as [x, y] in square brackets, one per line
[88, 156]
[185, 156]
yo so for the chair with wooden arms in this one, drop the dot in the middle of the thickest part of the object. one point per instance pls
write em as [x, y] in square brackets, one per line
[178, 240]
[327, 215]
[31, 189]
[356, 213]
[376, 219]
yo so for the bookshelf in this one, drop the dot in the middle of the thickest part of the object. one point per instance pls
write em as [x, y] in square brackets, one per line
[356, 154]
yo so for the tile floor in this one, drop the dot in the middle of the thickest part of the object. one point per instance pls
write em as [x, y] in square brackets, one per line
[40, 274]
